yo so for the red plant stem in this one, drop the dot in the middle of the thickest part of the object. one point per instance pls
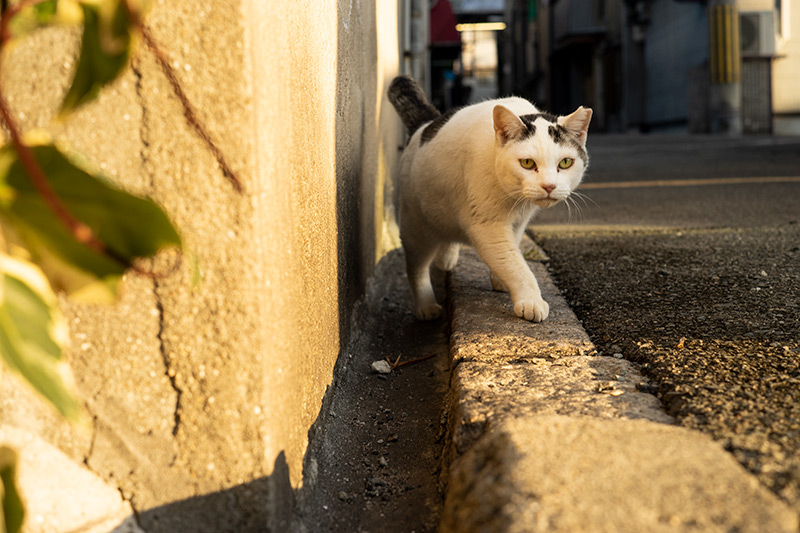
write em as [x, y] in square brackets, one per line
[8, 14]
[79, 230]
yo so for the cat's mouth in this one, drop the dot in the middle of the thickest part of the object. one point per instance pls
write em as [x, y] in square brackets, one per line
[547, 201]
[539, 198]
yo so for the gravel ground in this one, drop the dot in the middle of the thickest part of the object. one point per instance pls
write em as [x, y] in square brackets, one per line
[717, 331]
[378, 450]
[698, 285]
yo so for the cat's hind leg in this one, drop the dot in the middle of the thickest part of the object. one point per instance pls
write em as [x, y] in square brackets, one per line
[419, 256]
[497, 283]
[447, 256]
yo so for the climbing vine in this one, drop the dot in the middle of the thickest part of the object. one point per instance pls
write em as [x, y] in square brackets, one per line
[65, 227]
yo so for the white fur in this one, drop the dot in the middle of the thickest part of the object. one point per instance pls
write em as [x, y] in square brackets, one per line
[466, 186]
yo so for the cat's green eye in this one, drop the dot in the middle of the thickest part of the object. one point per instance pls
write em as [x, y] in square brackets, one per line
[527, 163]
[565, 163]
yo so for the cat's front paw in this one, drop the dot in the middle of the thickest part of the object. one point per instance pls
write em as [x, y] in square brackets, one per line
[430, 311]
[532, 309]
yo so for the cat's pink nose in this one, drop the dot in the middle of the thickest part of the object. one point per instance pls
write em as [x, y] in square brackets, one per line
[549, 187]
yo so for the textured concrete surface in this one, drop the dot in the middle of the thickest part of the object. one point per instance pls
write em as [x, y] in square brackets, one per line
[559, 335]
[61, 495]
[201, 392]
[543, 438]
[556, 473]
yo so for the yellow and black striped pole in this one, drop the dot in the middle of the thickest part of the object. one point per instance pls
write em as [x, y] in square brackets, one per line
[725, 66]
[724, 45]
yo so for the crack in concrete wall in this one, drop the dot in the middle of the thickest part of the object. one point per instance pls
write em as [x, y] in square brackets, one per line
[144, 136]
[169, 369]
[135, 512]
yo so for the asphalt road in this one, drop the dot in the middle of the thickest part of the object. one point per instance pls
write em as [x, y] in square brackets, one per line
[683, 255]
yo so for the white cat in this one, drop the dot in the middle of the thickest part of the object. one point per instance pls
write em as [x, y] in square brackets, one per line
[475, 176]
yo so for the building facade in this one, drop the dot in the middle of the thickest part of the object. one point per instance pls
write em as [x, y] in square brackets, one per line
[651, 65]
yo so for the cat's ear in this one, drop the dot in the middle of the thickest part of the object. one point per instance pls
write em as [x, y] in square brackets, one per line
[577, 123]
[507, 125]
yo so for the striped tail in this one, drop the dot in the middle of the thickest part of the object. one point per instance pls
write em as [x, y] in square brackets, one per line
[408, 98]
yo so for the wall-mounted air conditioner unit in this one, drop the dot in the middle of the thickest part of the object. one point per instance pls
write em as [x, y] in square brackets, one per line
[757, 33]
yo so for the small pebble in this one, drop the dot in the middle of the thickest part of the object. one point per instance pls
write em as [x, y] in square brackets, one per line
[381, 367]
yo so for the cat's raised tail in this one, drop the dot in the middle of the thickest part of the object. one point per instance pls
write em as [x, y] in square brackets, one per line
[408, 98]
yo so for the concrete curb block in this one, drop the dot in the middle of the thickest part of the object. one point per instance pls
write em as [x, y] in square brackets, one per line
[543, 436]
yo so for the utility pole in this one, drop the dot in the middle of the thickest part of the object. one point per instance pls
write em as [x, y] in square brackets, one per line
[726, 62]
[417, 41]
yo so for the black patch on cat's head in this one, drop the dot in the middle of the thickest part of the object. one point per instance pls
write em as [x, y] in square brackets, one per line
[528, 120]
[562, 136]
[549, 117]
[433, 128]
[558, 133]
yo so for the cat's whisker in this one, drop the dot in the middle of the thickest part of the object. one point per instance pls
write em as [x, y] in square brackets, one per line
[569, 209]
[572, 202]
[580, 207]
[521, 202]
[585, 198]
[529, 203]
[510, 196]
[584, 201]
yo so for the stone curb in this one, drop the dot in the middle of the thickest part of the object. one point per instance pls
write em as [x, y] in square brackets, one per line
[545, 436]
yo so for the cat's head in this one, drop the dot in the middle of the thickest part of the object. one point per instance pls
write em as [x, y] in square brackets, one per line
[540, 157]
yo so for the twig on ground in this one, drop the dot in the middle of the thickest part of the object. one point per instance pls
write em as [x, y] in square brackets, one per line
[397, 362]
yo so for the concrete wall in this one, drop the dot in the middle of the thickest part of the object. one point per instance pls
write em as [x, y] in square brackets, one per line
[201, 393]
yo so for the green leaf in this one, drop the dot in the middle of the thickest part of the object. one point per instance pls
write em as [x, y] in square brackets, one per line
[109, 37]
[13, 510]
[44, 13]
[130, 227]
[31, 328]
